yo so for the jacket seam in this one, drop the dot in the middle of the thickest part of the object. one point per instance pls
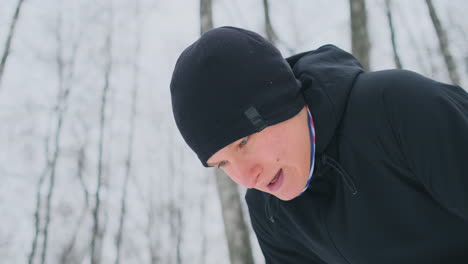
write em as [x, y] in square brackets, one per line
[330, 237]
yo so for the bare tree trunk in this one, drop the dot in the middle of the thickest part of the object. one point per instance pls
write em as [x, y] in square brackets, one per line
[466, 64]
[460, 31]
[206, 16]
[359, 32]
[206, 23]
[270, 32]
[443, 44]
[179, 201]
[67, 254]
[203, 245]
[419, 53]
[152, 233]
[63, 93]
[81, 167]
[128, 162]
[396, 56]
[240, 251]
[37, 218]
[179, 236]
[237, 233]
[97, 232]
[271, 35]
[6, 51]
[151, 229]
[65, 86]
[175, 200]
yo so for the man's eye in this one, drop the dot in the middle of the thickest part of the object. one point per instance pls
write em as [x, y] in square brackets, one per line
[244, 141]
[222, 163]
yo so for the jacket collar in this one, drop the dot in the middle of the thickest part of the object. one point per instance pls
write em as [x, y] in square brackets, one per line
[327, 75]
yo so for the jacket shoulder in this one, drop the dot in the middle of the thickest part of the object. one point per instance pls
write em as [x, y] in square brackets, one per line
[399, 83]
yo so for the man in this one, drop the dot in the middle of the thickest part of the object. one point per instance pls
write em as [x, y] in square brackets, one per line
[342, 166]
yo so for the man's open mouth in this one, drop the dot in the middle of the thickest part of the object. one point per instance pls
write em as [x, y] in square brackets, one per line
[275, 178]
[276, 182]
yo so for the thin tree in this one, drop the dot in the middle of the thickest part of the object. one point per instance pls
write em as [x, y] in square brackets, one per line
[418, 48]
[206, 23]
[65, 71]
[270, 33]
[206, 16]
[178, 212]
[67, 255]
[459, 30]
[11, 32]
[128, 162]
[37, 211]
[96, 235]
[359, 32]
[151, 230]
[174, 211]
[237, 234]
[396, 56]
[204, 240]
[443, 44]
[152, 209]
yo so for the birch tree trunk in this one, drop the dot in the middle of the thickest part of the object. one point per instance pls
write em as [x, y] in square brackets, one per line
[396, 56]
[69, 254]
[65, 70]
[271, 35]
[443, 44]
[237, 234]
[37, 212]
[206, 16]
[128, 162]
[6, 51]
[359, 32]
[97, 231]
[270, 32]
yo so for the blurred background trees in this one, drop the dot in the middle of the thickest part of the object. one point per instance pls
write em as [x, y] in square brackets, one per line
[92, 167]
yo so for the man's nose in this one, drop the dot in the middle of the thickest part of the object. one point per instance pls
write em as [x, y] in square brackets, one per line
[248, 173]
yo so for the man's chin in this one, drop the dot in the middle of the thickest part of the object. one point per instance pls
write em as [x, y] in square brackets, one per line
[286, 197]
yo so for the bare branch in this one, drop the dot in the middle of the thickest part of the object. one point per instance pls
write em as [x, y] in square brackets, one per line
[396, 56]
[240, 250]
[37, 222]
[359, 32]
[63, 93]
[270, 32]
[6, 51]
[417, 51]
[443, 44]
[96, 231]
[271, 35]
[206, 16]
[128, 163]
[66, 255]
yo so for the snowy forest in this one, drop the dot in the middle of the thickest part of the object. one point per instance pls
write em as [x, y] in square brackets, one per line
[92, 166]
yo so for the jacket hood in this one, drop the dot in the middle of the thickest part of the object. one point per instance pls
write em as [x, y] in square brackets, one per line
[327, 75]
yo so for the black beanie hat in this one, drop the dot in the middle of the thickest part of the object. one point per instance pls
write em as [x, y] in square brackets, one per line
[229, 84]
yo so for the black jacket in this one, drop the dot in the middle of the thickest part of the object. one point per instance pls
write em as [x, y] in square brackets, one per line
[391, 178]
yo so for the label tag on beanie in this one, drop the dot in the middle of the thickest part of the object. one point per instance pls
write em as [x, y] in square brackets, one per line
[255, 118]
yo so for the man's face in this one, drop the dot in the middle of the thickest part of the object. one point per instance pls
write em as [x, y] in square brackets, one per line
[275, 160]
